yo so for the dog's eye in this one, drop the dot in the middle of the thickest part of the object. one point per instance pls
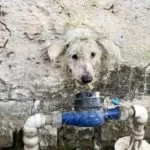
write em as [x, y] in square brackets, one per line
[75, 56]
[93, 54]
[67, 45]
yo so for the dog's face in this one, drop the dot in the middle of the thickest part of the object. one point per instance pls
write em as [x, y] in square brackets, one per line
[84, 56]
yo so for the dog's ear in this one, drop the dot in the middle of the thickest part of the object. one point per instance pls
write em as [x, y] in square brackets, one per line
[56, 49]
[110, 53]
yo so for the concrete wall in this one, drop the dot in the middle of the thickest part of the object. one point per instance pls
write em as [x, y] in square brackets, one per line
[30, 84]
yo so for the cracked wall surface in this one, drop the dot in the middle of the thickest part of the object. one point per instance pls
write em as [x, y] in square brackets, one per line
[30, 84]
[5, 34]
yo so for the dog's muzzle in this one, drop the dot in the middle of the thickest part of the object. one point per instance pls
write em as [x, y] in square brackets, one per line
[87, 78]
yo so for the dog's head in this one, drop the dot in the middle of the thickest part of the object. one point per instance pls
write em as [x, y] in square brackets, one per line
[84, 55]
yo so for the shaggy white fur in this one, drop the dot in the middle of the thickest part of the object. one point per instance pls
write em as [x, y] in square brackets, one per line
[85, 55]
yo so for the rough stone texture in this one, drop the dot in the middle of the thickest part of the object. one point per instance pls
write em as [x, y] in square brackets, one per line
[6, 135]
[29, 84]
[76, 138]
[48, 137]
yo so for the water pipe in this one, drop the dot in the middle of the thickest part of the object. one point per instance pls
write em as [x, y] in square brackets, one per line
[139, 120]
[91, 118]
[135, 140]
[34, 122]
[57, 119]
[88, 113]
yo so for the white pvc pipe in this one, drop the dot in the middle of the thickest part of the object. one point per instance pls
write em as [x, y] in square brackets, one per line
[140, 118]
[141, 114]
[34, 122]
[30, 131]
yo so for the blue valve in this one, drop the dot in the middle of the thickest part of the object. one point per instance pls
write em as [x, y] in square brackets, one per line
[115, 101]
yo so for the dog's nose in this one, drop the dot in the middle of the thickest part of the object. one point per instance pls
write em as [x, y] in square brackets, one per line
[86, 78]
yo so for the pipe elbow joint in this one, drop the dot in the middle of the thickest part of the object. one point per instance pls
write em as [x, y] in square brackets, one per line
[30, 131]
[32, 123]
[140, 114]
[35, 121]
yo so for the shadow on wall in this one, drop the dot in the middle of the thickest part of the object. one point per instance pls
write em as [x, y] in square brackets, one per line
[127, 83]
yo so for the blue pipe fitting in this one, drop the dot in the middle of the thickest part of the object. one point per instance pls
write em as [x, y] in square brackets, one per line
[83, 119]
[91, 118]
[89, 111]
[112, 114]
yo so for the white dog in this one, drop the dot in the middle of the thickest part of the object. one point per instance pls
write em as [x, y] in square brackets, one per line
[85, 55]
